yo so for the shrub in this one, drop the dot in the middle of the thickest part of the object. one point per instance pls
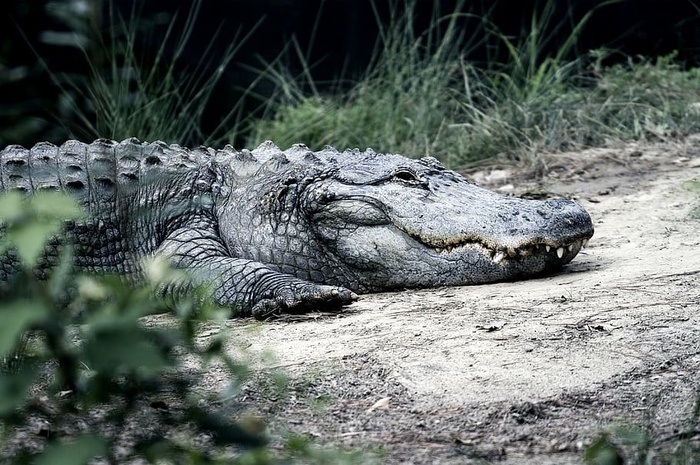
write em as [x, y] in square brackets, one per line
[87, 374]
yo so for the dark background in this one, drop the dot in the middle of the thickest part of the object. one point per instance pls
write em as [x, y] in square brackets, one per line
[337, 38]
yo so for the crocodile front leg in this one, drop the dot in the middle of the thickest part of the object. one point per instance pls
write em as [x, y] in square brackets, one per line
[250, 287]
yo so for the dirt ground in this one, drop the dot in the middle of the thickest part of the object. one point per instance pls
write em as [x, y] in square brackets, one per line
[522, 372]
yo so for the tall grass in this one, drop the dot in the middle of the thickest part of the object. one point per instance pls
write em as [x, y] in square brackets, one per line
[420, 96]
[154, 97]
[405, 102]
[637, 100]
[514, 106]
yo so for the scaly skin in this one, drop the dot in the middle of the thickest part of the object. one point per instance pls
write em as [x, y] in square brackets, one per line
[270, 231]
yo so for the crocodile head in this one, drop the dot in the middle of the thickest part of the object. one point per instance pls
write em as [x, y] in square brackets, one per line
[374, 222]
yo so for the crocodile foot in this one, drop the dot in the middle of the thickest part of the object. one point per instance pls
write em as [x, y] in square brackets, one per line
[301, 297]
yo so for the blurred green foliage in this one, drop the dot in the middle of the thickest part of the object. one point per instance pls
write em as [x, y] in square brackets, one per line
[85, 374]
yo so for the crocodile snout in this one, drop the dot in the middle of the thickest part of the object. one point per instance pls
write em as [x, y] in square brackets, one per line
[569, 221]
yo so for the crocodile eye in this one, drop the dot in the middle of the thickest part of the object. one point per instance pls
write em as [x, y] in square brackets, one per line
[407, 176]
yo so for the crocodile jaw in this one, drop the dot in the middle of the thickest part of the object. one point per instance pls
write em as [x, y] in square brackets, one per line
[392, 247]
[384, 257]
[564, 251]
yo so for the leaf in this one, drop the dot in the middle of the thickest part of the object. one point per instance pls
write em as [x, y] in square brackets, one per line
[630, 435]
[56, 205]
[695, 213]
[602, 452]
[31, 222]
[11, 206]
[297, 443]
[692, 185]
[248, 432]
[124, 349]
[61, 276]
[77, 452]
[30, 239]
[91, 289]
[16, 318]
[14, 388]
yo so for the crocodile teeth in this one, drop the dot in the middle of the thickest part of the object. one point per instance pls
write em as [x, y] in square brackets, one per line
[584, 243]
[498, 258]
[439, 250]
[547, 248]
[571, 247]
[449, 248]
[560, 252]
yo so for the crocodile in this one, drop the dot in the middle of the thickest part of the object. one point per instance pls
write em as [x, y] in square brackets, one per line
[270, 231]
